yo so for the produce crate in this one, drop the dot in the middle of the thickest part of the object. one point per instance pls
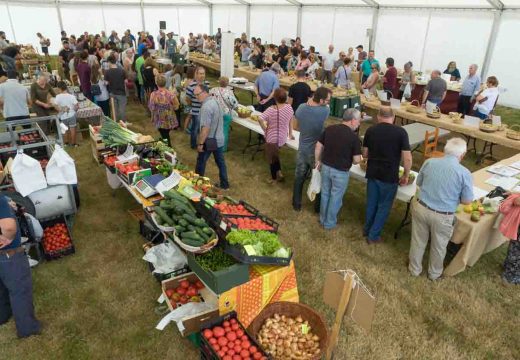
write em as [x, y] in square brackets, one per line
[192, 323]
[341, 104]
[207, 352]
[57, 254]
[35, 137]
[240, 255]
[161, 277]
[332, 106]
[133, 176]
[150, 233]
[223, 280]
[214, 216]
[4, 156]
[225, 224]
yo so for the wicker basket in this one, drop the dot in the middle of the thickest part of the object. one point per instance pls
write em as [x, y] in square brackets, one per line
[244, 115]
[291, 309]
[488, 128]
[513, 134]
[414, 109]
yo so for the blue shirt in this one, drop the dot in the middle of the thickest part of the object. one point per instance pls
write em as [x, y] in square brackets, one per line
[245, 54]
[311, 120]
[266, 83]
[141, 48]
[7, 212]
[366, 66]
[211, 117]
[444, 183]
[470, 85]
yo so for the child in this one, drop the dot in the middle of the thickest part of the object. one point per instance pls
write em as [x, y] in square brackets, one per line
[67, 106]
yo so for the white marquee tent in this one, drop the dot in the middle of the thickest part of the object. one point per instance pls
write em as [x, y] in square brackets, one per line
[430, 33]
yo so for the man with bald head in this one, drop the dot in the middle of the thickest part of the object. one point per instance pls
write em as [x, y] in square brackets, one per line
[384, 145]
[435, 90]
[470, 88]
[328, 65]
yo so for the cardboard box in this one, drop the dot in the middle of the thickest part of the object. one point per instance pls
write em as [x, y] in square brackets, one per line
[192, 324]
[223, 280]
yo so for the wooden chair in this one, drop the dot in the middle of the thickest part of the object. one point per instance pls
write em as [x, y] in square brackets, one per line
[430, 145]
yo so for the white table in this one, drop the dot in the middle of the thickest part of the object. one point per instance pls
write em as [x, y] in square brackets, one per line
[404, 193]
[248, 86]
[416, 132]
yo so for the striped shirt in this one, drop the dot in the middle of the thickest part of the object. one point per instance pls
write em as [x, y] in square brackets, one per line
[278, 122]
[444, 183]
[195, 104]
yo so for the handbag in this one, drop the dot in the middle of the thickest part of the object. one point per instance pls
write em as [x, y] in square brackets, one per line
[271, 149]
[211, 142]
[95, 89]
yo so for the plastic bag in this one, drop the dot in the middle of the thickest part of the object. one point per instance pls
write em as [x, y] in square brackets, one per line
[61, 169]
[165, 258]
[315, 185]
[27, 174]
[407, 93]
[35, 227]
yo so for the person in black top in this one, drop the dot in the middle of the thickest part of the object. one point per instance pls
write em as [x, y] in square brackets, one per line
[64, 56]
[384, 145]
[115, 77]
[283, 50]
[16, 293]
[300, 91]
[336, 151]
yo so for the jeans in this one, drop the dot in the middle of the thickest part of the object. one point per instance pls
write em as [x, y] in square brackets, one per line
[16, 294]
[304, 165]
[119, 107]
[464, 104]
[333, 186]
[327, 75]
[194, 130]
[380, 197]
[480, 115]
[218, 154]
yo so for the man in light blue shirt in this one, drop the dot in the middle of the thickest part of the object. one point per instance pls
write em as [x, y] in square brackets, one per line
[14, 98]
[470, 87]
[366, 66]
[246, 51]
[265, 85]
[443, 183]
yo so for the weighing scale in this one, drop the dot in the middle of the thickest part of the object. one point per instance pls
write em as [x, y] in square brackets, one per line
[146, 186]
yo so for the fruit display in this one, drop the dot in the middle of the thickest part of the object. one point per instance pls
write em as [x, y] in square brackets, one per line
[126, 169]
[185, 293]
[262, 243]
[110, 161]
[56, 239]
[176, 211]
[287, 338]
[230, 341]
[29, 137]
[244, 112]
[249, 223]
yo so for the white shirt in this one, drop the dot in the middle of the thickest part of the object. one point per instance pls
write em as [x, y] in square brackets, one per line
[492, 95]
[311, 71]
[185, 51]
[66, 100]
[15, 97]
[328, 61]
[104, 91]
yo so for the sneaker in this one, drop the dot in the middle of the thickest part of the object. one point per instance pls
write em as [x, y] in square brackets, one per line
[217, 185]
[32, 262]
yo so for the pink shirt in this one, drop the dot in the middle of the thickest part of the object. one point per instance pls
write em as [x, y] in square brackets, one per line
[278, 122]
[303, 65]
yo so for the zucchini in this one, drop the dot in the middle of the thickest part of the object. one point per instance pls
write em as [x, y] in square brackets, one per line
[176, 195]
[183, 222]
[192, 235]
[191, 227]
[180, 229]
[201, 223]
[207, 231]
[167, 219]
[202, 234]
[166, 205]
[184, 208]
[192, 242]
[190, 218]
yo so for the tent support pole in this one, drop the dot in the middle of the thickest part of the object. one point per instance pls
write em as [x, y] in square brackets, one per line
[248, 21]
[10, 20]
[425, 40]
[60, 20]
[491, 43]
[299, 23]
[103, 17]
[211, 32]
[373, 34]
[141, 5]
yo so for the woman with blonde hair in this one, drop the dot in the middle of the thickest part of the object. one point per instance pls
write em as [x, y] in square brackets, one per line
[99, 89]
[162, 105]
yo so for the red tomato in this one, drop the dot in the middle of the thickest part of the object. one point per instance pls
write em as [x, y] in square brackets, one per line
[231, 352]
[208, 334]
[212, 341]
[245, 344]
[237, 357]
[221, 354]
[216, 347]
[231, 336]
[244, 338]
[257, 355]
[237, 349]
[225, 324]
[240, 333]
[234, 327]
[244, 353]
[227, 357]
[218, 331]
[222, 341]
[253, 349]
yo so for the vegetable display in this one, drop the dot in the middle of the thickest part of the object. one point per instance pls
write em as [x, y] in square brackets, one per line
[128, 168]
[286, 338]
[215, 260]
[186, 292]
[230, 341]
[114, 134]
[56, 238]
[232, 209]
[176, 211]
[264, 243]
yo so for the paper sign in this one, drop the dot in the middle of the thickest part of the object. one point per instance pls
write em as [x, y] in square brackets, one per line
[478, 193]
[506, 183]
[161, 299]
[168, 183]
[223, 225]
[496, 120]
[395, 103]
[250, 250]
[472, 121]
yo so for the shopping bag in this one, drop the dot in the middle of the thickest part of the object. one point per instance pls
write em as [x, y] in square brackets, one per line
[407, 93]
[61, 169]
[315, 185]
[27, 174]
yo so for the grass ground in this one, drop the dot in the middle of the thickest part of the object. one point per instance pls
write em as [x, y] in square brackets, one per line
[99, 303]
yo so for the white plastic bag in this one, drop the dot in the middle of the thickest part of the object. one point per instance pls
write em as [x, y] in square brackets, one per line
[27, 174]
[315, 185]
[35, 226]
[61, 169]
[407, 93]
[165, 258]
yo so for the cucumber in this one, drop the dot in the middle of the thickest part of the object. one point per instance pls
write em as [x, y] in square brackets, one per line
[192, 235]
[166, 205]
[183, 222]
[191, 227]
[207, 231]
[192, 242]
[190, 218]
[184, 208]
[167, 219]
[202, 234]
[180, 229]
[201, 223]
[176, 195]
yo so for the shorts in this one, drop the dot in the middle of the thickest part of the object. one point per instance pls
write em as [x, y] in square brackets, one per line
[45, 50]
[70, 122]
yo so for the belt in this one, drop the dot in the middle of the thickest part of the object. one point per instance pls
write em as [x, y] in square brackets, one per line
[11, 252]
[435, 211]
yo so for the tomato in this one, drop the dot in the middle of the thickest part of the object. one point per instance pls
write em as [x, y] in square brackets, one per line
[240, 333]
[221, 353]
[180, 290]
[257, 355]
[199, 285]
[216, 347]
[227, 357]
[234, 327]
[237, 357]
[208, 334]
[231, 352]
[231, 336]
[244, 338]
[212, 341]
[253, 349]
[224, 349]
[246, 344]
[222, 341]
[237, 349]
[225, 324]
[227, 329]
[218, 331]
[244, 353]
